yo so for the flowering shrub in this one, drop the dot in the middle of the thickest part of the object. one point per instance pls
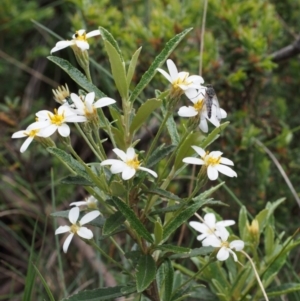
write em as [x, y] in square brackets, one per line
[133, 190]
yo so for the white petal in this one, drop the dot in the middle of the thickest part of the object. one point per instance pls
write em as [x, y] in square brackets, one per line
[121, 154]
[61, 45]
[210, 220]
[89, 98]
[202, 236]
[75, 118]
[172, 70]
[43, 115]
[216, 154]
[110, 162]
[200, 151]
[233, 254]
[237, 245]
[67, 242]
[226, 170]
[192, 160]
[73, 215]
[165, 74]
[223, 113]
[103, 102]
[19, 134]
[64, 130]
[200, 227]
[48, 131]
[83, 45]
[62, 229]
[85, 233]
[118, 166]
[77, 101]
[212, 241]
[89, 217]
[26, 144]
[225, 223]
[203, 125]
[153, 173]
[226, 161]
[130, 153]
[128, 173]
[80, 203]
[187, 111]
[212, 173]
[194, 94]
[223, 254]
[196, 79]
[223, 233]
[93, 33]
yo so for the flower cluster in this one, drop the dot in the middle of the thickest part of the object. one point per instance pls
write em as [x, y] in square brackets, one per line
[215, 234]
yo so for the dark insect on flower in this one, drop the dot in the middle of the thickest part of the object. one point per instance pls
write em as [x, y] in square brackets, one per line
[212, 103]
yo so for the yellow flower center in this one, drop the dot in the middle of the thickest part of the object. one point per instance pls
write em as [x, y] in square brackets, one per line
[56, 118]
[181, 81]
[225, 244]
[134, 163]
[199, 105]
[209, 160]
[80, 37]
[32, 133]
[74, 228]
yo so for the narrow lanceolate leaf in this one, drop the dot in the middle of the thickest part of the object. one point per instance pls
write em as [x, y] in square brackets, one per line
[146, 270]
[108, 293]
[76, 180]
[283, 289]
[159, 154]
[179, 219]
[185, 150]
[164, 193]
[169, 274]
[194, 253]
[70, 161]
[214, 135]
[172, 127]
[172, 249]
[143, 113]
[76, 75]
[132, 66]
[107, 36]
[159, 60]
[113, 222]
[243, 223]
[132, 219]
[117, 69]
[207, 193]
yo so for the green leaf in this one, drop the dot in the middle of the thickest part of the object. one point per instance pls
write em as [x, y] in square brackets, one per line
[185, 150]
[262, 219]
[117, 117]
[164, 193]
[243, 278]
[272, 206]
[76, 75]
[107, 293]
[119, 137]
[117, 188]
[70, 161]
[269, 240]
[159, 154]
[76, 180]
[132, 66]
[112, 223]
[132, 219]
[169, 277]
[107, 36]
[117, 69]
[202, 251]
[214, 135]
[180, 218]
[159, 60]
[243, 223]
[143, 113]
[146, 270]
[158, 232]
[204, 195]
[171, 126]
[283, 289]
[172, 249]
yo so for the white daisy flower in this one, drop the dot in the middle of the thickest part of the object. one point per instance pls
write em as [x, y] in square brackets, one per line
[199, 110]
[79, 39]
[180, 81]
[31, 131]
[76, 227]
[213, 161]
[128, 165]
[88, 107]
[90, 202]
[58, 121]
[226, 248]
[210, 227]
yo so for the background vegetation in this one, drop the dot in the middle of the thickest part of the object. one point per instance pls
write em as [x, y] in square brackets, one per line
[258, 89]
